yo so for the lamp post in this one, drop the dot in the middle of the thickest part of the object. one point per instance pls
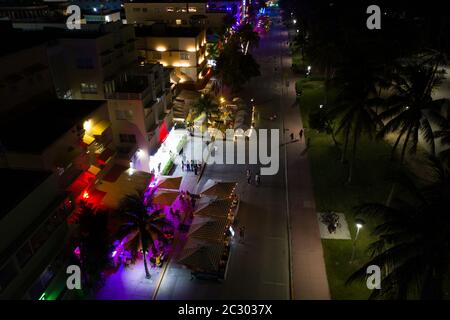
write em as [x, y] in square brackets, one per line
[359, 224]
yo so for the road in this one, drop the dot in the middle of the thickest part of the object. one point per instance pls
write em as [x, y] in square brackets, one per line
[272, 263]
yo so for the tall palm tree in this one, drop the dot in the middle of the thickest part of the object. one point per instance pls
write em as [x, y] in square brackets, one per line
[355, 107]
[93, 243]
[413, 239]
[411, 110]
[234, 68]
[443, 133]
[207, 105]
[247, 37]
[143, 223]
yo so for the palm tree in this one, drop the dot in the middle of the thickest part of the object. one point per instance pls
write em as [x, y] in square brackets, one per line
[234, 68]
[205, 104]
[247, 37]
[444, 135]
[93, 243]
[143, 223]
[411, 110]
[413, 239]
[354, 107]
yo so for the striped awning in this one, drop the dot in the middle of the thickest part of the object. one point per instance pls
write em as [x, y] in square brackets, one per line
[165, 198]
[220, 189]
[213, 229]
[171, 183]
[218, 209]
[201, 255]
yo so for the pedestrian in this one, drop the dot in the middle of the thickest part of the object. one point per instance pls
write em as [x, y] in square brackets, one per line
[301, 134]
[195, 169]
[257, 179]
[241, 234]
[292, 136]
[159, 167]
[188, 167]
[182, 165]
[249, 176]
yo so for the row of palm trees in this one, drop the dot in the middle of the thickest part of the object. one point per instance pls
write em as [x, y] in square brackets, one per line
[385, 82]
[402, 106]
[234, 63]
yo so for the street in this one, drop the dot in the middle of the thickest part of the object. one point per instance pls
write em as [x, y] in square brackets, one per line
[270, 264]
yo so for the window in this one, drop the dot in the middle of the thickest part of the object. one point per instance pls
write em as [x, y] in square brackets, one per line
[156, 55]
[181, 9]
[136, 9]
[7, 275]
[170, 9]
[192, 9]
[178, 21]
[144, 9]
[88, 88]
[184, 56]
[124, 114]
[127, 138]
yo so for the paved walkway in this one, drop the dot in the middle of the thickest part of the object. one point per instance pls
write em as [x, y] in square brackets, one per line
[309, 277]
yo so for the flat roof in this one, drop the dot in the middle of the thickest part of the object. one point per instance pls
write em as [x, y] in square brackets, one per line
[18, 184]
[164, 1]
[164, 31]
[43, 122]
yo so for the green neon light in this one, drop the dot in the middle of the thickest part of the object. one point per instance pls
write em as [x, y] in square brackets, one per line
[42, 297]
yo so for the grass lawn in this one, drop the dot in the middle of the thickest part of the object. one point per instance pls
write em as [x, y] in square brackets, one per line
[371, 183]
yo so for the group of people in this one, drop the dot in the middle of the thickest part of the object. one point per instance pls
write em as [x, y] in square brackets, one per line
[249, 178]
[193, 166]
[300, 134]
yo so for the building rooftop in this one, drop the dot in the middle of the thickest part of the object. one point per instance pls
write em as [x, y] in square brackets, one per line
[162, 30]
[165, 1]
[43, 122]
[18, 184]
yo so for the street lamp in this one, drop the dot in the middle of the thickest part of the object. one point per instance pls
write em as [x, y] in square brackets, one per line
[359, 224]
[295, 21]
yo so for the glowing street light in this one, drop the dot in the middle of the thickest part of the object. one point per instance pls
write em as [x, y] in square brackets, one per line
[295, 21]
[359, 223]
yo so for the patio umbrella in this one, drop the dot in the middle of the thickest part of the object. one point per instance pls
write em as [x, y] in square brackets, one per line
[165, 198]
[201, 255]
[170, 183]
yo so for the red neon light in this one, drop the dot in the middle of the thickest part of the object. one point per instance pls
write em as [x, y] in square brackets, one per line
[163, 133]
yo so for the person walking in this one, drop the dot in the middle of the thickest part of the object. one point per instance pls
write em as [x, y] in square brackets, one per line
[249, 176]
[292, 136]
[188, 167]
[241, 234]
[182, 165]
[195, 169]
[257, 179]
[301, 134]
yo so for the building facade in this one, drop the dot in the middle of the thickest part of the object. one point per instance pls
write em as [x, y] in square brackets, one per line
[139, 105]
[181, 48]
[33, 225]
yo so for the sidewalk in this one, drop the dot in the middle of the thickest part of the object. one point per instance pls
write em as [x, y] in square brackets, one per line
[309, 276]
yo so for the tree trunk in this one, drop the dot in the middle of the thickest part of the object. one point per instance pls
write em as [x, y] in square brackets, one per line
[352, 163]
[402, 157]
[396, 144]
[391, 195]
[344, 151]
[147, 273]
